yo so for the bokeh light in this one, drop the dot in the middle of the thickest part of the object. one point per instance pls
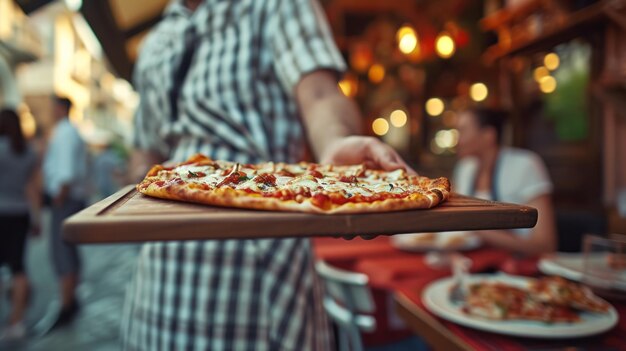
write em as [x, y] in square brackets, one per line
[547, 84]
[408, 42]
[398, 118]
[435, 106]
[539, 73]
[551, 61]
[376, 73]
[446, 139]
[380, 126]
[479, 92]
[445, 45]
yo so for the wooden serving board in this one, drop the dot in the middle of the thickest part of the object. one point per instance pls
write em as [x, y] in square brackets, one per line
[129, 216]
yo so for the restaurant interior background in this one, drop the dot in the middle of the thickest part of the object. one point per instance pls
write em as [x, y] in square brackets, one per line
[558, 66]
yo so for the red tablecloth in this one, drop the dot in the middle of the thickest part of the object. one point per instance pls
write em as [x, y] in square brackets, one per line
[479, 340]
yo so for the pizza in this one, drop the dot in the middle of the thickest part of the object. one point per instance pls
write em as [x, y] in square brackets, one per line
[547, 299]
[498, 301]
[562, 292]
[302, 187]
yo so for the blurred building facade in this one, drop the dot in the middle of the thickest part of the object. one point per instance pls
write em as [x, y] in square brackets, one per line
[53, 51]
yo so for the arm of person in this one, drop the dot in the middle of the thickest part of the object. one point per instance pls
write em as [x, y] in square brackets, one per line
[542, 238]
[333, 123]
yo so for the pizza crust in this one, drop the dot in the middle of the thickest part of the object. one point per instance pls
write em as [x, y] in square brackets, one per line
[227, 197]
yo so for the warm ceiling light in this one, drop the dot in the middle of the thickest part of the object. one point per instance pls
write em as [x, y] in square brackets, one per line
[398, 118]
[539, 73]
[404, 30]
[380, 126]
[407, 40]
[445, 45]
[444, 139]
[551, 61]
[479, 92]
[376, 73]
[547, 84]
[435, 106]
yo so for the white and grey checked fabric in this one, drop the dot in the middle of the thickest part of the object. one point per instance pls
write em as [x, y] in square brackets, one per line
[235, 102]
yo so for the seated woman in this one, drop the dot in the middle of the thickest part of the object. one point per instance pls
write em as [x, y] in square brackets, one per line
[490, 171]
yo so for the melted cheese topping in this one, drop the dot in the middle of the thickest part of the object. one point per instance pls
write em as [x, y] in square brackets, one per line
[392, 182]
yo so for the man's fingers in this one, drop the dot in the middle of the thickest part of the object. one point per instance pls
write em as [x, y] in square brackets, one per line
[388, 159]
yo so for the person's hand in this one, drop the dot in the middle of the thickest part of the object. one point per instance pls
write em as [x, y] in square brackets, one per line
[370, 151]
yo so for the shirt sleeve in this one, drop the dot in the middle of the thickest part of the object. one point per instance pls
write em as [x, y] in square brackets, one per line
[148, 117]
[67, 162]
[301, 42]
[535, 180]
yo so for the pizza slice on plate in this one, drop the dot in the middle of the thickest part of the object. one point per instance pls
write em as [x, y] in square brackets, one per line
[499, 301]
[559, 291]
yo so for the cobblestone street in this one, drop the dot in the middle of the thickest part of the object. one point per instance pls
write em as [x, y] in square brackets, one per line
[107, 270]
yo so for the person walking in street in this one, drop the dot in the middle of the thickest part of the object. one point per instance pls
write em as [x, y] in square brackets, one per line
[65, 172]
[19, 210]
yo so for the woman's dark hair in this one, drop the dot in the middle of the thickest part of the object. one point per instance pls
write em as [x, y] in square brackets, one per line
[487, 117]
[11, 127]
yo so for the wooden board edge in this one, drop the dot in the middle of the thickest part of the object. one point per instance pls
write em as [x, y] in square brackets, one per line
[94, 229]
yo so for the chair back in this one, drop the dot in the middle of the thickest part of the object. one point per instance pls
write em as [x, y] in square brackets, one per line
[347, 299]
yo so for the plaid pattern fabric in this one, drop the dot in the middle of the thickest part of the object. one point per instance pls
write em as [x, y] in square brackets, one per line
[220, 81]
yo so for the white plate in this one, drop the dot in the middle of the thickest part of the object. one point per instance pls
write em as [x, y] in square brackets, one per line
[570, 266]
[444, 241]
[436, 299]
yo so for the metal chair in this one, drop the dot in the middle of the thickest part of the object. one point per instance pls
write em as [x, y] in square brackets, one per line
[347, 298]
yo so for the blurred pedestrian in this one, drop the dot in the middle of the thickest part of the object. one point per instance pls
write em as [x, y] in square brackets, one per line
[245, 81]
[488, 170]
[65, 171]
[19, 208]
[109, 169]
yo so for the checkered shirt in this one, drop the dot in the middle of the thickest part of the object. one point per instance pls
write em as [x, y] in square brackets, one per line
[220, 80]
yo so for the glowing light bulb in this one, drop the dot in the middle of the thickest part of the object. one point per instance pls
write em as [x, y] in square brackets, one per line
[408, 43]
[539, 73]
[435, 106]
[398, 118]
[547, 84]
[376, 73]
[551, 61]
[445, 45]
[479, 92]
[380, 126]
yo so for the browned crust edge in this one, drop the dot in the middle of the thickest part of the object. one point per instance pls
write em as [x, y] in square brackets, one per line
[228, 197]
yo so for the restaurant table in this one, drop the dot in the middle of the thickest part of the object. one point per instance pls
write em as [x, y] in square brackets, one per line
[448, 336]
[385, 265]
[397, 279]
